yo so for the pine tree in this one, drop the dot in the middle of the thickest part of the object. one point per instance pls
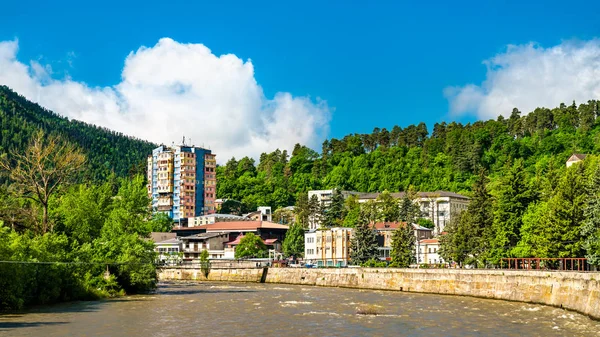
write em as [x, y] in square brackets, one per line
[335, 212]
[302, 210]
[591, 225]
[403, 246]
[363, 245]
[293, 245]
[511, 203]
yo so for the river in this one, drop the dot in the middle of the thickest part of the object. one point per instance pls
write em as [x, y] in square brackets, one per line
[248, 309]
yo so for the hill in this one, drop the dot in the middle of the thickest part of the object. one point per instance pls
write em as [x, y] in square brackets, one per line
[447, 159]
[107, 151]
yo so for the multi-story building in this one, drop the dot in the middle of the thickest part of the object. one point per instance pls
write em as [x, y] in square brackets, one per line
[182, 181]
[327, 247]
[438, 206]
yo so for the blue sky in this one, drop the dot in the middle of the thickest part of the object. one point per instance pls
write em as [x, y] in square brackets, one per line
[377, 63]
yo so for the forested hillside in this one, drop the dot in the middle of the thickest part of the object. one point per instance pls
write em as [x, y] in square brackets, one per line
[106, 151]
[449, 158]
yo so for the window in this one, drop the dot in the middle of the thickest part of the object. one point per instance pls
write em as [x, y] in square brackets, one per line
[429, 250]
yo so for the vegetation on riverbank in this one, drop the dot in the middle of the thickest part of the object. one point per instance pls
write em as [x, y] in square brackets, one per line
[84, 241]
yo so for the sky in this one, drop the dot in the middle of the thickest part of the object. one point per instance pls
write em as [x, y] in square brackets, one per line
[245, 77]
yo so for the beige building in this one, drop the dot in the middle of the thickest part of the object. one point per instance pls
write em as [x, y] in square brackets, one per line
[385, 231]
[328, 247]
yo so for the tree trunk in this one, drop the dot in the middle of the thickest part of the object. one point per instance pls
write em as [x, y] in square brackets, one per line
[45, 218]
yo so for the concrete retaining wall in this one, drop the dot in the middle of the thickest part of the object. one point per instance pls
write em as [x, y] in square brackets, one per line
[570, 290]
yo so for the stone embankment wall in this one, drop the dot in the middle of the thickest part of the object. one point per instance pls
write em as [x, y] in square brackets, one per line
[570, 290]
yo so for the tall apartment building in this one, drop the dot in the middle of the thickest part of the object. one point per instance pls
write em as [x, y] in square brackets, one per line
[182, 181]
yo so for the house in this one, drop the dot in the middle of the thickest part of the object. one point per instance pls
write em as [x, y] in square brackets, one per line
[428, 251]
[327, 247]
[385, 231]
[272, 245]
[193, 245]
[263, 213]
[575, 158]
[168, 251]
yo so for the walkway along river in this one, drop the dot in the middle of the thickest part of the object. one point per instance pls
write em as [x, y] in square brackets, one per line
[258, 309]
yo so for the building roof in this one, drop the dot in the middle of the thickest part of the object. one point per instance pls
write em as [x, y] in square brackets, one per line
[202, 236]
[393, 225]
[169, 241]
[577, 157]
[237, 226]
[220, 215]
[429, 241]
[399, 195]
[161, 236]
[239, 238]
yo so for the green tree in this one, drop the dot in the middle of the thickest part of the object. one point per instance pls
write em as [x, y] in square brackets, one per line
[161, 222]
[250, 246]
[512, 200]
[204, 263]
[388, 207]
[352, 211]
[293, 245]
[403, 246]
[47, 164]
[334, 213]
[363, 244]
[591, 225]
[409, 210]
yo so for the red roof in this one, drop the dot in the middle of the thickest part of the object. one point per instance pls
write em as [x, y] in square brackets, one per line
[388, 225]
[432, 241]
[236, 242]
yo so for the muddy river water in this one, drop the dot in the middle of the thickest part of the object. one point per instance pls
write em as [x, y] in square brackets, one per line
[244, 309]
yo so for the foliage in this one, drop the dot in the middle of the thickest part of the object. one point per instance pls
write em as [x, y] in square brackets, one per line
[403, 247]
[293, 245]
[363, 244]
[427, 223]
[283, 216]
[204, 263]
[95, 226]
[250, 246]
[106, 151]
[161, 222]
[591, 226]
[375, 263]
[47, 164]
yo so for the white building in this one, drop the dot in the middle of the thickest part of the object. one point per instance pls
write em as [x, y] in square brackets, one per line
[168, 251]
[213, 218]
[438, 206]
[429, 251]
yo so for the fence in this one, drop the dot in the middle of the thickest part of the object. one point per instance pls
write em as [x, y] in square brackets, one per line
[537, 263]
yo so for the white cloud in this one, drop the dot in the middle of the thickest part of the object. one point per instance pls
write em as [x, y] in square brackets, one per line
[530, 76]
[174, 89]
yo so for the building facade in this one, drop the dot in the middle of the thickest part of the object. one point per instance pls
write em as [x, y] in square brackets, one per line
[438, 206]
[182, 181]
[330, 247]
[428, 251]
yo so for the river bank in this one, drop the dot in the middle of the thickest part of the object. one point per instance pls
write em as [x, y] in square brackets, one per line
[574, 291]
